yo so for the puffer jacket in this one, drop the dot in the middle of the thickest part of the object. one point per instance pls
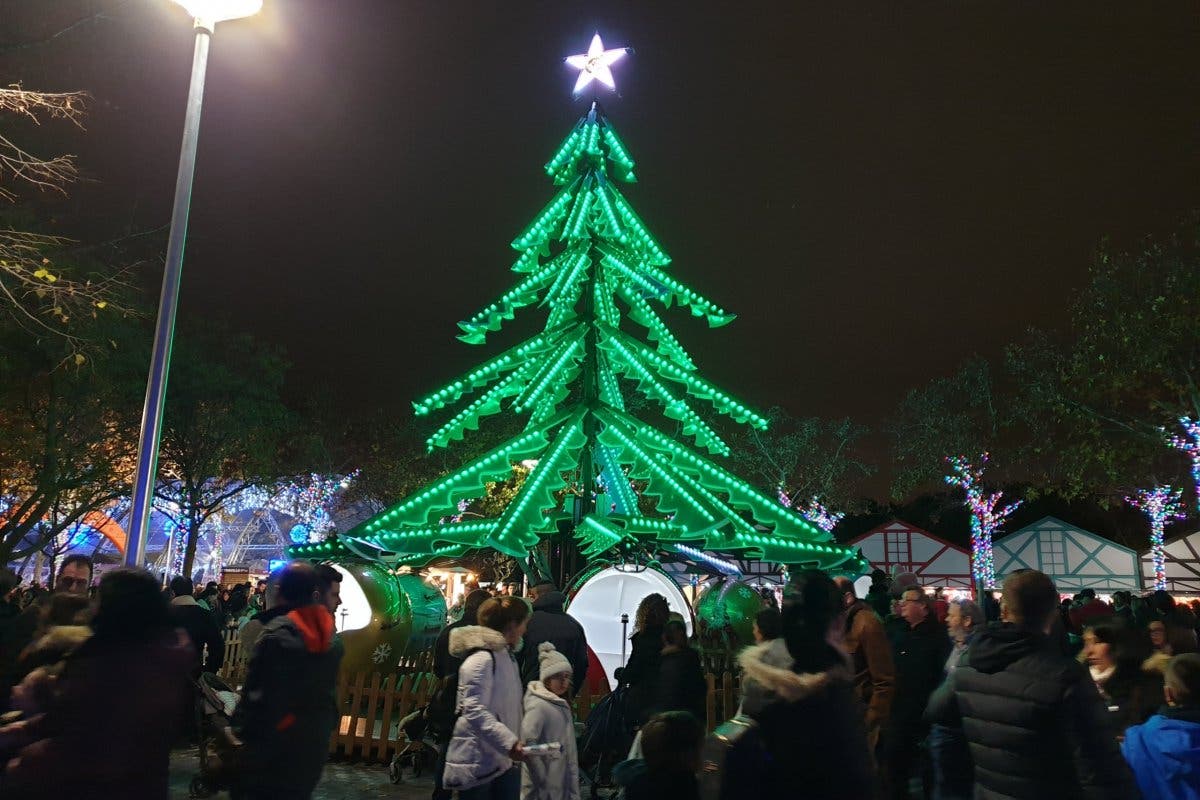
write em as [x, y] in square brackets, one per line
[1164, 754]
[288, 710]
[1034, 721]
[489, 706]
[811, 723]
[548, 718]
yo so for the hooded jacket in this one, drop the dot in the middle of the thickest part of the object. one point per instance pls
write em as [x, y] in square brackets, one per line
[811, 723]
[548, 718]
[549, 623]
[1164, 754]
[288, 711]
[1033, 720]
[489, 705]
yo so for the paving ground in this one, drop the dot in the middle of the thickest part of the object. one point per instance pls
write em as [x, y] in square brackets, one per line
[342, 780]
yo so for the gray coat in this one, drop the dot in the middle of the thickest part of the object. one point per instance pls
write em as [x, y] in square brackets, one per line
[548, 719]
[489, 708]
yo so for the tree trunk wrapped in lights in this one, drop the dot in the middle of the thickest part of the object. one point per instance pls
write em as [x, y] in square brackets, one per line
[590, 262]
[1159, 504]
[986, 518]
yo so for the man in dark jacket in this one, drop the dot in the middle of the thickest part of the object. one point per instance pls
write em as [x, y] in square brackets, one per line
[1032, 716]
[199, 625]
[550, 623]
[288, 711]
[919, 650]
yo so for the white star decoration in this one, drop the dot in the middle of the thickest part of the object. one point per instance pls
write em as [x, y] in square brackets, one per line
[594, 64]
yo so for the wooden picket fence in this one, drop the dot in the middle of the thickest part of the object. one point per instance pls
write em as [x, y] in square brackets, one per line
[371, 705]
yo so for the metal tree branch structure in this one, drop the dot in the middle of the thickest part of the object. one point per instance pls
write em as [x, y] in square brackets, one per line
[590, 264]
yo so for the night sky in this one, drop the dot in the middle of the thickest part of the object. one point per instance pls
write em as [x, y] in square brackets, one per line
[878, 189]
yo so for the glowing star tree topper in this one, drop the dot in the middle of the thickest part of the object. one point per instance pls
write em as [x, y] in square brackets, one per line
[986, 518]
[1159, 504]
[594, 65]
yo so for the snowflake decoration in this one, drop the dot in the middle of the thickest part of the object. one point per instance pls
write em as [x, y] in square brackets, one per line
[381, 653]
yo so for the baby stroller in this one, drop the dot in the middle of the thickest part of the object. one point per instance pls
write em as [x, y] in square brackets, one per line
[420, 751]
[605, 741]
[215, 702]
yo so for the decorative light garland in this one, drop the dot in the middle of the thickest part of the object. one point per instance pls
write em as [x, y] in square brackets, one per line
[986, 518]
[1159, 504]
[722, 566]
[815, 512]
[1190, 445]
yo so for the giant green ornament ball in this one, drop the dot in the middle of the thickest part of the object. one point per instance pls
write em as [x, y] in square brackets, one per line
[725, 611]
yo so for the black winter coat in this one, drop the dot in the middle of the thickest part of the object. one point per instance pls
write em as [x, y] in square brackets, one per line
[640, 673]
[549, 623]
[197, 621]
[681, 685]
[444, 664]
[1034, 721]
[1136, 692]
[920, 655]
[811, 722]
[288, 710]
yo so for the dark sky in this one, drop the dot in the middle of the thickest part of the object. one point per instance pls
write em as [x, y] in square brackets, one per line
[878, 189]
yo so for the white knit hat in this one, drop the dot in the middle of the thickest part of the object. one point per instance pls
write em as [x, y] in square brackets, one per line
[551, 662]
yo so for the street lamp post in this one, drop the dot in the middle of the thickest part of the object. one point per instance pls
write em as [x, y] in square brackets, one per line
[207, 13]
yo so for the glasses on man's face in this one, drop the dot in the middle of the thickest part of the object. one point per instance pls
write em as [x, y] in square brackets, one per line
[73, 583]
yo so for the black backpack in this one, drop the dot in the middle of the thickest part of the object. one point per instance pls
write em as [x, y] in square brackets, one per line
[443, 705]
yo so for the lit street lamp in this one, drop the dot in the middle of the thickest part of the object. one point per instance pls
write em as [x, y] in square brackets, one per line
[207, 14]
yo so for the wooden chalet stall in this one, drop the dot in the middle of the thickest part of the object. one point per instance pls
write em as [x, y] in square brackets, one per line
[1075, 558]
[1182, 563]
[898, 546]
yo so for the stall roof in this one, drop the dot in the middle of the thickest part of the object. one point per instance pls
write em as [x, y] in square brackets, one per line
[1075, 558]
[1182, 563]
[898, 546]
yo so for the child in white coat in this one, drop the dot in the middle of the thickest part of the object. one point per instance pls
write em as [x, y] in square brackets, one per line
[547, 718]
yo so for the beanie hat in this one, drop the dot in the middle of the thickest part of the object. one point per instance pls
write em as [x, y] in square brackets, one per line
[551, 662]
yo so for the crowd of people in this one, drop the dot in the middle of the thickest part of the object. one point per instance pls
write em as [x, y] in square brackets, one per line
[900, 694]
[97, 681]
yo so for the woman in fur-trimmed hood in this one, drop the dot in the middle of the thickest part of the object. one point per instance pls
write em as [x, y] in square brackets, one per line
[480, 760]
[800, 690]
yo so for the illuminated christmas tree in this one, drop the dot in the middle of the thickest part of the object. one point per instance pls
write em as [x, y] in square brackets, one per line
[589, 263]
